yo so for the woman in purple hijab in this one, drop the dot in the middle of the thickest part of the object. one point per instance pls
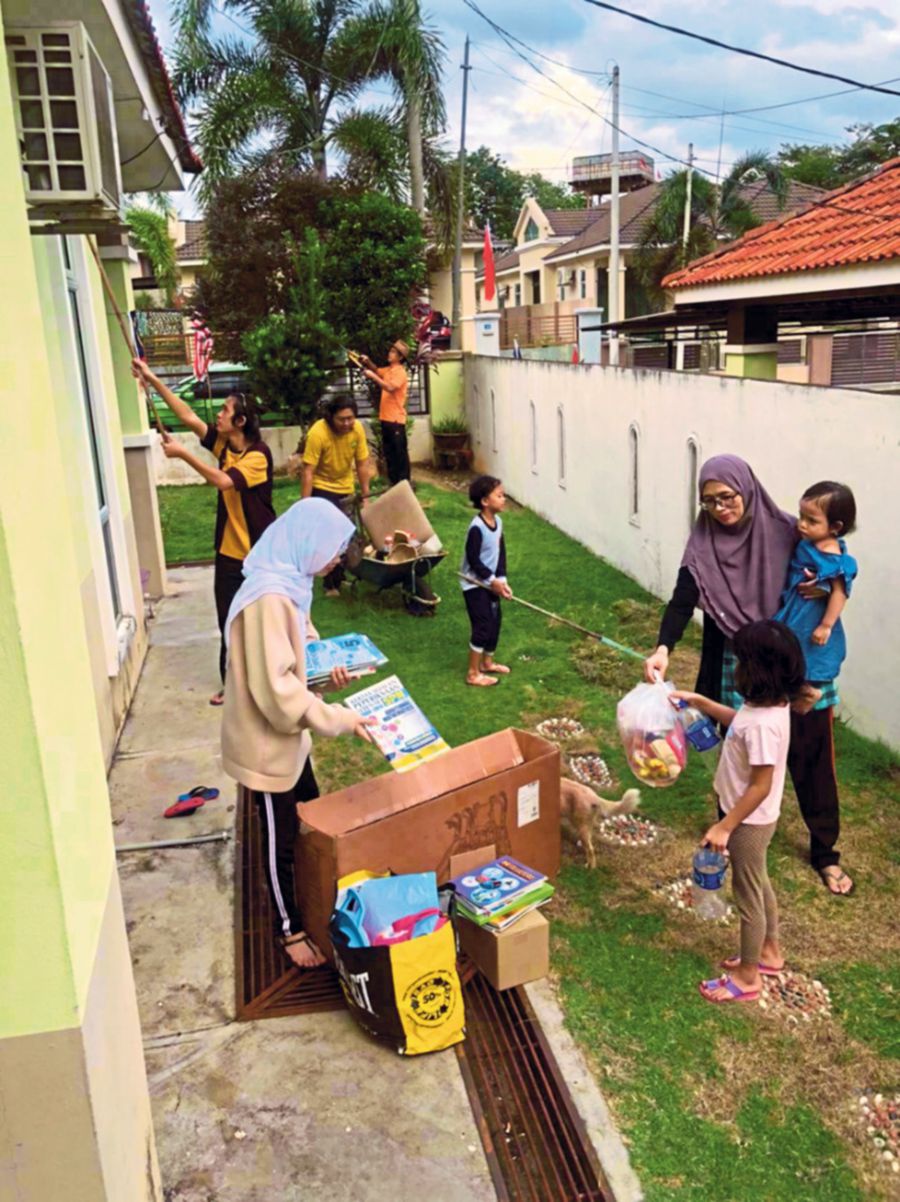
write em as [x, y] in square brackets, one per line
[734, 569]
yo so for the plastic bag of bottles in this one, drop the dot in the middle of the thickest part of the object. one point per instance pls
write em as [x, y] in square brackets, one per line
[651, 734]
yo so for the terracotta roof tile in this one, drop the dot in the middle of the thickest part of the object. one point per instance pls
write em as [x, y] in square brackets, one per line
[138, 16]
[859, 223]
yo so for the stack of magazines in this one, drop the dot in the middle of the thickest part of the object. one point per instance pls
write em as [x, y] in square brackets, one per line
[355, 652]
[499, 893]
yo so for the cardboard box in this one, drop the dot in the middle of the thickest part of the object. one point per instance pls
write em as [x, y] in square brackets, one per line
[501, 790]
[396, 509]
[520, 953]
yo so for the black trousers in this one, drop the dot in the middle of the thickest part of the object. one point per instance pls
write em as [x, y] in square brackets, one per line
[278, 815]
[227, 579]
[811, 765]
[484, 617]
[396, 451]
[342, 501]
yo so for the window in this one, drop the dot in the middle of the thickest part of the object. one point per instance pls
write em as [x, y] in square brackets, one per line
[534, 439]
[634, 482]
[90, 420]
[582, 284]
[561, 445]
[693, 451]
[532, 233]
[518, 295]
[493, 420]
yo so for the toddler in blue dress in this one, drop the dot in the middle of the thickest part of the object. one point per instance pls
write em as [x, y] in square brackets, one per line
[827, 512]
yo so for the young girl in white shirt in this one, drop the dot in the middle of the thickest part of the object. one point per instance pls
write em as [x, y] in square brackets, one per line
[749, 785]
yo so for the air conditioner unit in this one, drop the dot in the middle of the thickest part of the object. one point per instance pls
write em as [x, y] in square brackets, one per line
[65, 121]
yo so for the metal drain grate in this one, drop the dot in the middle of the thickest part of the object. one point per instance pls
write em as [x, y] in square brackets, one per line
[535, 1141]
[266, 985]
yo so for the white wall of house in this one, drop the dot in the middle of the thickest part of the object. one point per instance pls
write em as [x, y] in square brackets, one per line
[281, 441]
[610, 455]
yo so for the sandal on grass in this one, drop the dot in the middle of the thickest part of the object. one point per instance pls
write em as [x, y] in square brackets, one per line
[499, 669]
[481, 681]
[734, 991]
[765, 970]
[833, 875]
[303, 939]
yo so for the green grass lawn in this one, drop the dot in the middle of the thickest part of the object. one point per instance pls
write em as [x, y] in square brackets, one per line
[718, 1104]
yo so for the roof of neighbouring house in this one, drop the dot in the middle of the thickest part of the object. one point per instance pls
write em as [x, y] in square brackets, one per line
[565, 223]
[635, 207]
[859, 223]
[633, 210]
[138, 17]
[194, 244]
[504, 263]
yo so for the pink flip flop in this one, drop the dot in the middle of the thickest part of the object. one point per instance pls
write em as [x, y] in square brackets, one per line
[736, 994]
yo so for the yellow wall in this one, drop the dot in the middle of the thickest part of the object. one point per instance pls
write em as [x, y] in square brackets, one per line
[56, 857]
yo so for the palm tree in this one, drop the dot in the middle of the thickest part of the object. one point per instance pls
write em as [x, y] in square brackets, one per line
[148, 217]
[294, 90]
[717, 214]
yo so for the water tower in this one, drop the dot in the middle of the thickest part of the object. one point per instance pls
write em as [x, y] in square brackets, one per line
[591, 174]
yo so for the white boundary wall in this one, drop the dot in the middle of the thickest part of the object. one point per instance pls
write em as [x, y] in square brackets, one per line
[564, 441]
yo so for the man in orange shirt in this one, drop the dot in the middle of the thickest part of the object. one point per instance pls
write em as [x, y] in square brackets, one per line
[392, 411]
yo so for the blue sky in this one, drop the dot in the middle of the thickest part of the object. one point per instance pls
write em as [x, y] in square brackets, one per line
[666, 80]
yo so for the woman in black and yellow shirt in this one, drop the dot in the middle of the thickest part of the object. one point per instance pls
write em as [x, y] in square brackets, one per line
[243, 478]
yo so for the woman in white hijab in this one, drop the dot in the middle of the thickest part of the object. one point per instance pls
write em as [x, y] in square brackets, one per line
[269, 710]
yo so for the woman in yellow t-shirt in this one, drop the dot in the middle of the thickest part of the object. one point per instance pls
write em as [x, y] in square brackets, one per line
[244, 480]
[335, 446]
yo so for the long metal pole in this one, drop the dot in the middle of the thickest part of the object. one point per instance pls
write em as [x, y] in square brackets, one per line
[613, 274]
[455, 331]
[687, 196]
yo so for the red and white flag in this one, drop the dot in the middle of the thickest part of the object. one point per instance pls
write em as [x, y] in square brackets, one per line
[490, 277]
[203, 347]
[576, 357]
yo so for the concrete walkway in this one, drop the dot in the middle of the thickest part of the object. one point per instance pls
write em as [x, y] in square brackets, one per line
[288, 1109]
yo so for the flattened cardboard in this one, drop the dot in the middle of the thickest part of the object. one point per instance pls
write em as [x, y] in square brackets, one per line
[396, 509]
[466, 800]
[519, 954]
[468, 861]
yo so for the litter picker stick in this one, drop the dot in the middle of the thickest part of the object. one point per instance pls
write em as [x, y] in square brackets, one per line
[123, 326]
[591, 634]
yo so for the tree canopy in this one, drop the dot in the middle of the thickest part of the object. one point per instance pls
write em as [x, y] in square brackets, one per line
[496, 192]
[832, 166]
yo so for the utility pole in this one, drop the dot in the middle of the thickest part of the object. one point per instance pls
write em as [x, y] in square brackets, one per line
[687, 196]
[456, 332]
[613, 273]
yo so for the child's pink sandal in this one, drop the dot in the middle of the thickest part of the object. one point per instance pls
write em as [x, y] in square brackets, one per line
[734, 991]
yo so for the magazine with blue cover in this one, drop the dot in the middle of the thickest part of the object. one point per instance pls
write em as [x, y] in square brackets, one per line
[355, 652]
[497, 885]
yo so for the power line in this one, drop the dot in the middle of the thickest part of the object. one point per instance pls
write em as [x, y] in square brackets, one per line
[766, 58]
[760, 108]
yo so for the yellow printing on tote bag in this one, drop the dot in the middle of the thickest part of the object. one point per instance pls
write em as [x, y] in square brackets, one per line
[427, 992]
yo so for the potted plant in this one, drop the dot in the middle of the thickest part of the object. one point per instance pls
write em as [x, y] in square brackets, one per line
[451, 441]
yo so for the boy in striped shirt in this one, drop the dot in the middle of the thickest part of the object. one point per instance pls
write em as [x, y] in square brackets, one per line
[484, 580]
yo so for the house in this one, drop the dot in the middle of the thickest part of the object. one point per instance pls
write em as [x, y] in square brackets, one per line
[87, 114]
[574, 271]
[824, 280]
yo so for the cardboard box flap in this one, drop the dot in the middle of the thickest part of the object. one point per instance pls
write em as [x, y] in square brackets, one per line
[369, 801]
[396, 509]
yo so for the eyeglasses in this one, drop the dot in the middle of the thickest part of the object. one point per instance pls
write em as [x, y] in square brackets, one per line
[722, 500]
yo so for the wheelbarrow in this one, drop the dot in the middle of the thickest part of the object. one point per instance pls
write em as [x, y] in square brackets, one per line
[406, 566]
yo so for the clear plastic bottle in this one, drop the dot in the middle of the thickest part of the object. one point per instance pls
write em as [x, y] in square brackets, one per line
[700, 731]
[708, 886]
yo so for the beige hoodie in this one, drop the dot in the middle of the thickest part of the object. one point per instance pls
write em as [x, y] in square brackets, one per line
[269, 712]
